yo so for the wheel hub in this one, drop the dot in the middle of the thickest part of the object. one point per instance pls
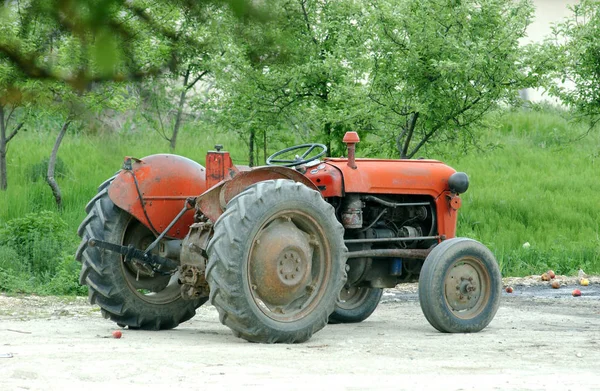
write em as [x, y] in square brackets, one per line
[463, 287]
[281, 261]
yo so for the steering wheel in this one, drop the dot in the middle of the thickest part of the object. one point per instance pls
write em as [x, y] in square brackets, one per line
[299, 159]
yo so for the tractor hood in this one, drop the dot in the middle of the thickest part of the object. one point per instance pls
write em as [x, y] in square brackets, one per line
[381, 176]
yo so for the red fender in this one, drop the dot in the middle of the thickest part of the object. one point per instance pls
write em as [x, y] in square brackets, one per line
[165, 182]
[213, 202]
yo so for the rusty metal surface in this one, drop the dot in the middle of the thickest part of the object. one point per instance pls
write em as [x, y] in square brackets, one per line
[165, 181]
[219, 167]
[281, 263]
[378, 176]
[193, 261]
[352, 215]
[351, 139]
[244, 179]
[446, 215]
[467, 287]
[212, 203]
[327, 178]
[391, 253]
[288, 265]
[391, 240]
[208, 204]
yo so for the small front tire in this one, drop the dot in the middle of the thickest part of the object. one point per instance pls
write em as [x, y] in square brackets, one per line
[460, 286]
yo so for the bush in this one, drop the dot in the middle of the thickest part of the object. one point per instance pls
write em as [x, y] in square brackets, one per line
[39, 170]
[14, 274]
[36, 256]
[66, 280]
[38, 239]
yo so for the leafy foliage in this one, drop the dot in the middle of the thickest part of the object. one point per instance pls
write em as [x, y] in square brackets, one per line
[411, 72]
[109, 40]
[570, 60]
[439, 67]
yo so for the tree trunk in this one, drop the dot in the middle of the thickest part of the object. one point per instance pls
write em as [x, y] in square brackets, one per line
[3, 180]
[251, 147]
[408, 134]
[265, 146]
[180, 109]
[328, 135]
[52, 165]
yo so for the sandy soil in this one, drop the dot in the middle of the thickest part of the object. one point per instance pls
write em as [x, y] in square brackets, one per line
[540, 339]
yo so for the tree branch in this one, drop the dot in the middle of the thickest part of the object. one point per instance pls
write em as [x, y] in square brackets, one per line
[15, 131]
[310, 34]
[12, 110]
[196, 80]
[411, 129]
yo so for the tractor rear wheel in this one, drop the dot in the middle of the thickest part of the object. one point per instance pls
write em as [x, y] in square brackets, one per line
[356, 304]
[127, 292]
[460, 286]
[276, 262]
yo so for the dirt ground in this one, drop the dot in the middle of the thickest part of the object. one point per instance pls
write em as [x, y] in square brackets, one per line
[541, 339]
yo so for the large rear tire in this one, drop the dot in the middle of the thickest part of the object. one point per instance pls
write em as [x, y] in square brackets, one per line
[127, 293]
[356, 304]
[460, 286]
[276, 262]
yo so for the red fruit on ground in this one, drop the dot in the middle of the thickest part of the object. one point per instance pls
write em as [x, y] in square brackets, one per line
[117, 334]
[551, 274]
[509, 289]
[576, 292]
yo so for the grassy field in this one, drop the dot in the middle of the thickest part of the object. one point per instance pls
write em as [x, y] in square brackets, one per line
[538, 185]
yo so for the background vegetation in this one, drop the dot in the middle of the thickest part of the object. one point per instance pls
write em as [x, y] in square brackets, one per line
[84, 83]
[533, 183]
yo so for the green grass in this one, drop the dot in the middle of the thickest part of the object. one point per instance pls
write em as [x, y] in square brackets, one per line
[537, 186]
[540, 187]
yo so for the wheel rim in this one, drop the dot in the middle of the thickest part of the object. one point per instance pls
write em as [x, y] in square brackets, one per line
[157, 289]
[288, 266]
[353, 297]
[467, 287]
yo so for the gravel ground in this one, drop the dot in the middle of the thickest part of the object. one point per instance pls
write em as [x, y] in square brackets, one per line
[541, 338]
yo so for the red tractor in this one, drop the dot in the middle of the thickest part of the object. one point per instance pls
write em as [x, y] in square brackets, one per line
[284, 249]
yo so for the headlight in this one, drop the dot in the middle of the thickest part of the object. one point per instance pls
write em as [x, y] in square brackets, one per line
[458, 182]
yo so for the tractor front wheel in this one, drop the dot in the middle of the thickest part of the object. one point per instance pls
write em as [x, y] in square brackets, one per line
[276, 262]
[460, 286]
[128, 293]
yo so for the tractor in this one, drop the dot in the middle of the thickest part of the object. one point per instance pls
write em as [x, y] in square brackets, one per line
[282, 250]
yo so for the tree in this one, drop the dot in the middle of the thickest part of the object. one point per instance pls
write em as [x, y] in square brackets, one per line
[571, 57]
[76, 107]
[167, 96]
[292, 74]
[114, 34]
[440, 67]
[8, 106]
